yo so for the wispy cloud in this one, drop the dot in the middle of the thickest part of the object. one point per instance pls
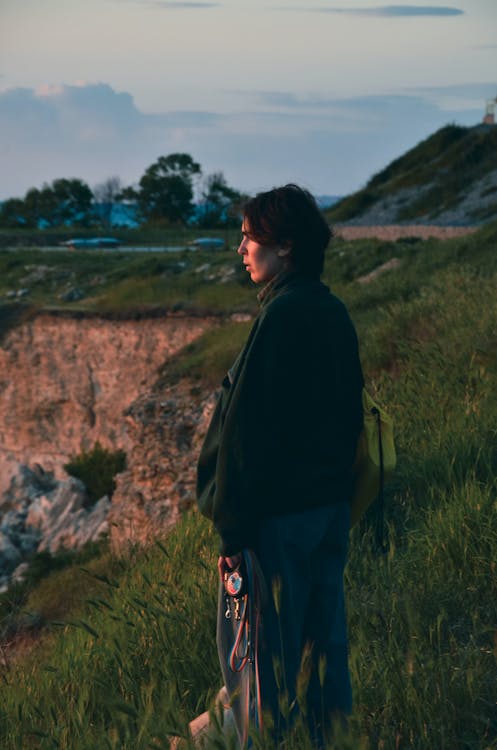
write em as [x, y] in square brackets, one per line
[393, 11]
[180, 5]
[288, 100]
[461, 98]
[374, 110]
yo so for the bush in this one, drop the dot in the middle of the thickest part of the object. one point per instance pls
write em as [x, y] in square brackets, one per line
[97, 469]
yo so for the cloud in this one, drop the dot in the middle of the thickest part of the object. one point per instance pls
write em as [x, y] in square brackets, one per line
[85, 130]
[350, 112]
[457, 97]
[331, 145]
[180, 5]
[286, 99]
[394, 11]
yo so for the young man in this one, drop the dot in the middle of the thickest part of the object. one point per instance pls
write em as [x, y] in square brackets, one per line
[275, 470]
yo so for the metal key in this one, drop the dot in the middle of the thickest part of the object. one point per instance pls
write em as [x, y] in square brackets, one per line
[237, 609]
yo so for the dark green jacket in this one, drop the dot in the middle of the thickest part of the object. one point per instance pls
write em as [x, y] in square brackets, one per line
[284, 432]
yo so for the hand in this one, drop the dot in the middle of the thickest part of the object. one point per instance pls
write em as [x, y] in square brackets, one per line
[225, 564]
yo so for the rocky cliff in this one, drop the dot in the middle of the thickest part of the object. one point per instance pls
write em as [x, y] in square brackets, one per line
[165, 426]
[67, 382]
[39, 513]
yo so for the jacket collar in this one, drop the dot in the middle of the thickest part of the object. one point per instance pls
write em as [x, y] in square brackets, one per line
[282, 280]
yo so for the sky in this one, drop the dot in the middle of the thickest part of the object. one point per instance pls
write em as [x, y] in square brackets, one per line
[320, 93]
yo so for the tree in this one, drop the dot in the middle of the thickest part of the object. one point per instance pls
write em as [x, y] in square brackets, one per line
[65, 201]
[37, 207]
[221, 204]
[73, 199]
[41, 207]
[166, 189]
[106, 195]
[12, 214]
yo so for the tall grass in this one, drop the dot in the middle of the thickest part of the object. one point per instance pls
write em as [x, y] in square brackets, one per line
[114, 675]
[136, 661]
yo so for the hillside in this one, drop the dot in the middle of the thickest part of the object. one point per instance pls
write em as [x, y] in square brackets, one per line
[128, 654]
[448, 179]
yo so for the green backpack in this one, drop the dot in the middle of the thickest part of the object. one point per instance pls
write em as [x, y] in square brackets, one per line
[375, 458]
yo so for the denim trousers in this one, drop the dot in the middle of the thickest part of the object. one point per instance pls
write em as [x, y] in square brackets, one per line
[302, 644]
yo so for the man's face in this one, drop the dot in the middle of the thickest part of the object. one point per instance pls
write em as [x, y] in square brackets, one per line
[262, 262]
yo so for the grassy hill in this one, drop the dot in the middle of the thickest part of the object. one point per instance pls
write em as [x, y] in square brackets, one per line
[128, 652]
[449, 178]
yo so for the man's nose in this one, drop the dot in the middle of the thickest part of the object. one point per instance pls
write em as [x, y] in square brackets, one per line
[241, 248]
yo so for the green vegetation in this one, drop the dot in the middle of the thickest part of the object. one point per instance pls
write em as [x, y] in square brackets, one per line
[97, 468]
[165, 191]
[163, 197]
[46, 592]
[136, 658]
[209, 357]
[126, 282]
[62, 202]
[438, 170]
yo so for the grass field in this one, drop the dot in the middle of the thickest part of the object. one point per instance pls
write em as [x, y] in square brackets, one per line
[131, 657]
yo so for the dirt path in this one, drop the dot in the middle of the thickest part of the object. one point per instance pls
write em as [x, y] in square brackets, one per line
[396, 231]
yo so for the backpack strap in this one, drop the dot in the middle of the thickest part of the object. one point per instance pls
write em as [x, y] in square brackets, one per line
[380, 508]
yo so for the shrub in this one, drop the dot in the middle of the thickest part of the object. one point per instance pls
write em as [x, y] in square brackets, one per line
[97, 469]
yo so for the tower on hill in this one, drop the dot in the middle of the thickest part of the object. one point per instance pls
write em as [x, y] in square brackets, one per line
[489, 118]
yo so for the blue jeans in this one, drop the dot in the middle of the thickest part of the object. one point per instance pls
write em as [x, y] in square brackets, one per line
[303, 555]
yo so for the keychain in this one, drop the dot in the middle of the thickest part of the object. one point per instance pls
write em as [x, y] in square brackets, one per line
[234, 586]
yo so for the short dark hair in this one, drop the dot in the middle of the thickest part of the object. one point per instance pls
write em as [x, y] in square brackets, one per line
[290, 216]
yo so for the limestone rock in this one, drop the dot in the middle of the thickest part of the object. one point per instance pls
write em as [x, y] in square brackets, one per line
[45, 515]
[166, 427]
[65, 382]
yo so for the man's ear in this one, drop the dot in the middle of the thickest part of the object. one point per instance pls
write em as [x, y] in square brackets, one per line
[284, 252]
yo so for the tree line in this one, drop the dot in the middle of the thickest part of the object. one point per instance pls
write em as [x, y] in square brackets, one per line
[164, 195]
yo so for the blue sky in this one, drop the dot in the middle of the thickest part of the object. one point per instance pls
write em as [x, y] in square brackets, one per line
[320, 93]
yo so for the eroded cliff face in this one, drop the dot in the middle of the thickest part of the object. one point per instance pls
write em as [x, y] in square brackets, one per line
[67, 382]
[166, 426]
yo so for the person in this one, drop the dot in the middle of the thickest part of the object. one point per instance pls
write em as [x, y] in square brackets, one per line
[275, 469]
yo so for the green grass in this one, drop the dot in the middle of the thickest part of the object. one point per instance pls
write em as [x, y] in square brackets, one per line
[123, 282]
[111, 676]
[136, 658]
[208, 358]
